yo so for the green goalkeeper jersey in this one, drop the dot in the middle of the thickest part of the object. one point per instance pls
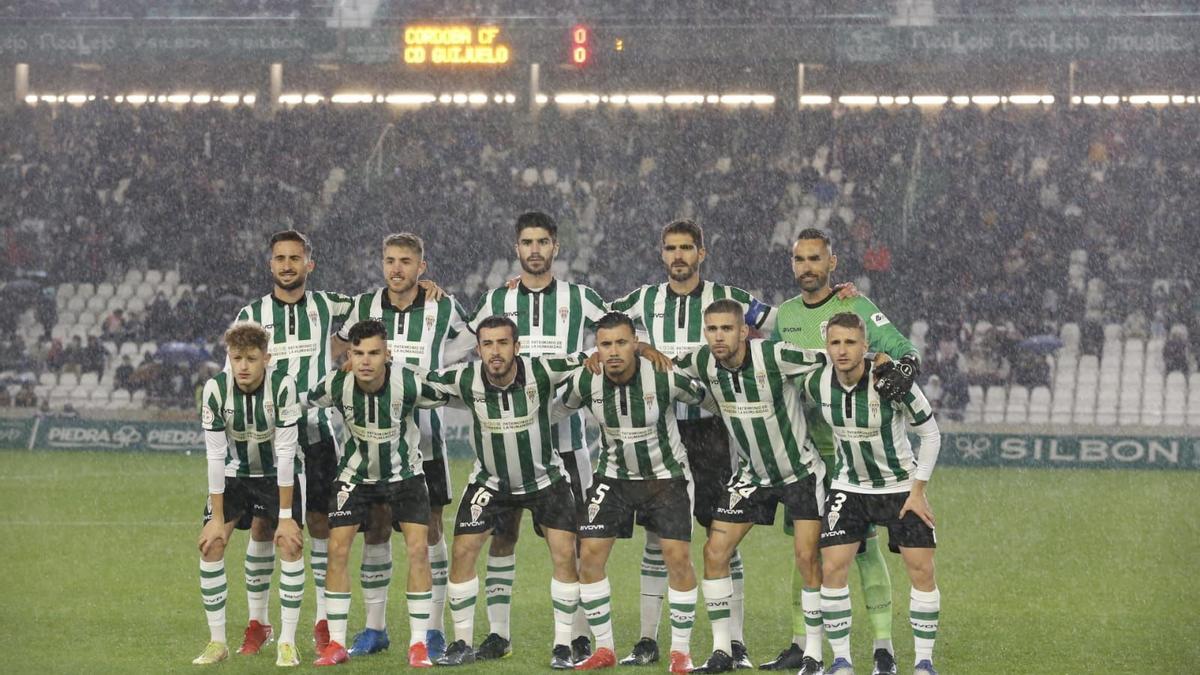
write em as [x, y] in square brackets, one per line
[803, 325]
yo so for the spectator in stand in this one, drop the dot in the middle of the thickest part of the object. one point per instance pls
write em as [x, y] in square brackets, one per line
[26, 396]
[74, 356]
[114, 326]
[123, 377]
[1175, 351]
[159, 322]
[6, 399]
[94, 356]
[147, 375]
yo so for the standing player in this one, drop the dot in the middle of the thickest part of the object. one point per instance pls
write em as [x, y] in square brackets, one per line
[642, 469]
[381, 465]
[428, 334]
[552, 317]
[672, 315]
[250, 431]
[876, 481]
[752, 382]
[801, 321]
[516, 467]
[299, 324]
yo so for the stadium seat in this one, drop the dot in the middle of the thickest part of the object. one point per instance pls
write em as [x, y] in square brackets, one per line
[1079, 256]
[105, 290]
[85, 290]
[1017, 409]
[145, 291]
[138, 397]
[68, 380]
[129, 349]
[76, 304]
[135, 306]
[147, 348]
[66, 290]
[1112, 332]
[1106, 407]
[994, 404]
[133, 277]
[171, 278]
[99, 396]
[120, 397]
[1070, 336]
[89, 380]
[59, 332]
[125, 290]
[1175, 400]
[48, 379]
[97, 303]
[153, 277]
[1039, 406]
[85, 320]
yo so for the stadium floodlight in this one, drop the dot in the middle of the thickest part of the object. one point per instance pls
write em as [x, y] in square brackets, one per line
[410, 99]
[747, 99]
[712, 98]
[31, 99]
[903, 100]
[229, 99]
[202, 98]
[542, 99]
[179, 98]
[960, 100]
[858, 99]
[618, 99]
[887, 100]
[477, 98]
[249, 99]
[510, 98]
[930, 100]
[1152, 99]
[460, 98]
[1177, 99]
[646, 99]
[576, 98]
[684, 99]
[815, 99]
[1091, 100]
[1029, 99]
[1191, 99]
[137, 99]
[1110, 100]
[313, 99]
[356, 97]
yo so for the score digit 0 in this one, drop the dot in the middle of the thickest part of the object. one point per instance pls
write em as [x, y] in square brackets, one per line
[580, 45]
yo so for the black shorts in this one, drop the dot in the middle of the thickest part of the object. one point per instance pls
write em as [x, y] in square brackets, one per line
[320, 471]
[849, 515]
[437, 480]
[351, 504]
[662, 506]
[481, 508]
[249, 498]
[579, 478]
[746, 503]
[707, 444]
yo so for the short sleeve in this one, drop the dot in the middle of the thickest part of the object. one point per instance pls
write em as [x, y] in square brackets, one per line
[212, 418]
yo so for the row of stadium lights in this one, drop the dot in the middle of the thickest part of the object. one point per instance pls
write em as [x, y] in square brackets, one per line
[585, 99]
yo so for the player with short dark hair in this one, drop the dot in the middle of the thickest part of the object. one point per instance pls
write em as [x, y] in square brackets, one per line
[801, 322]
[642, 469]
[517, 467]
[381, 465]
[425, 333]
[877, 481]
[671, 315]
[250, 416]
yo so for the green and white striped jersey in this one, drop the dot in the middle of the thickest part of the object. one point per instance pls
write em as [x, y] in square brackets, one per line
[384, 443]
[249, 421]
[426, 334]
[553, 321]
[760, 404]
[301, 345]
[674, 324]
[870, 434]
[511, 427]
[639, 438]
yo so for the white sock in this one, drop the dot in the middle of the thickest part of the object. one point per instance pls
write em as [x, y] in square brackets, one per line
[318, 558]
[214, 588]
[376, 575]
[440, 569]
[260, 565]
[498, 585]
[835, 614]
[923, 610]
[683, 616]
[654, 585]
[737, 601]
[717, 595]
[338, 605]
[291, 592]
[810, 599]
[461, 598]
[886, 643]
[564, 595]
[418, 615]
[596, 601]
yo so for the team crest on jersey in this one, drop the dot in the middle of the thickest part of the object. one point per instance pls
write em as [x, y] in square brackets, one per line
[269, 409]
[761, 379]
[476, 511]
[824, 326]
[313, 316]
[564, 313]
[593, 509]
[343, 495]
[429, 321]
[531, 392]
[648, 399]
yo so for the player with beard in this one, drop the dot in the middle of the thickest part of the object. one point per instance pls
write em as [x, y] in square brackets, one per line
[553, 317]
[300, 325]
[672, 316]
[427, 334]
[802, 322]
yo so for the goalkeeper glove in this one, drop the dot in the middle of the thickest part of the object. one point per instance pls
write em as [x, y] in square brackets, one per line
[894, 379]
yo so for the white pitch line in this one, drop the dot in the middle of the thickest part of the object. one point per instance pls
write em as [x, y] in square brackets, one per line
[96, 523]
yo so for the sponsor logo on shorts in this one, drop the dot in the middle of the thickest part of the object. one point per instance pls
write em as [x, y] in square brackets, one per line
[729, 511]
[591, 528]
[472, 523]
[833, 533]
[340, 514]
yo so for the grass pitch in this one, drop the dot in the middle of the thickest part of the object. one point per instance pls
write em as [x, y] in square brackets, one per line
[1041, 571]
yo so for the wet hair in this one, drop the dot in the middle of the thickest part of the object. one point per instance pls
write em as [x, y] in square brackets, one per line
[688, 227]
[246, 335]
[725, 306]
[405, 240]
[614, 319]
[847, 320]
[365, 329]
[292, 235]
[497, 321]
[814, 233]
[537, 219]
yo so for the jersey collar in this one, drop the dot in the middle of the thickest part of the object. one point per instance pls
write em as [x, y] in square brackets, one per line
[694, 293]
[517, 383]
[863, 382]
[387, 377]
[637, 369]
[747, 362]
[303, 300]
[822, 303]
[418, 301]
[550, 287]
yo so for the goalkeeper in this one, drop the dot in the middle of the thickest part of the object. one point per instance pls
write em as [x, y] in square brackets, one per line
[801, 321]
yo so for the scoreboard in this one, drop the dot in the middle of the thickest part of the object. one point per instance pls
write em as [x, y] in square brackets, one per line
[451, 46]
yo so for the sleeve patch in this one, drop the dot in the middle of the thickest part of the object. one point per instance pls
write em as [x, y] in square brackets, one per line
[879, 319]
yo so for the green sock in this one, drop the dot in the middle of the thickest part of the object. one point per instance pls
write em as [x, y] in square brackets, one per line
[798, 625]
[877, 589]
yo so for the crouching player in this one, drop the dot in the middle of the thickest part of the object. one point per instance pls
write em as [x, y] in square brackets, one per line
[877, 481]
[250, 432]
